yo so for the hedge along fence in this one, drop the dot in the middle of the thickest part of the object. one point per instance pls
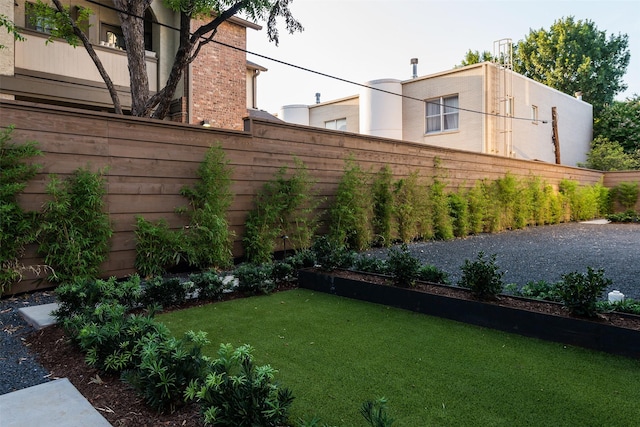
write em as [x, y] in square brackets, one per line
[612, 179]
[148, 162]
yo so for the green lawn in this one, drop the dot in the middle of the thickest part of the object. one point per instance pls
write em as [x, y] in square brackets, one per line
[335, 353]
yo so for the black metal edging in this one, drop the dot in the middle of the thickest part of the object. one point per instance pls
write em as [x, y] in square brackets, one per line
[567, 330]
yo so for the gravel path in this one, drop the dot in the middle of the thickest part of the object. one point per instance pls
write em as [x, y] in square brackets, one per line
[536, 253]
[545, 253]
[18, 368]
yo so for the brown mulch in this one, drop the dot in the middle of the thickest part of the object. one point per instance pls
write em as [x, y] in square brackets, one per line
[116, 401]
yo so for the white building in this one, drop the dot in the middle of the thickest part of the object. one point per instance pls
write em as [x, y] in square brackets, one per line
[485, 108]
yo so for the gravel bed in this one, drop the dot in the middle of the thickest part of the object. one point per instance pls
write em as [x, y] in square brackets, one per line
[545, 253]
[18, 367]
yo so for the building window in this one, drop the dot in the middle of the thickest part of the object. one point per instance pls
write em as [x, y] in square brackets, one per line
[534, 114]
[442, 114]
[337, 124]
[35, 22]
[112, 35]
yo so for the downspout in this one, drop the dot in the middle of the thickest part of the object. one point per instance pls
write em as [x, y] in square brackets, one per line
[254, 89]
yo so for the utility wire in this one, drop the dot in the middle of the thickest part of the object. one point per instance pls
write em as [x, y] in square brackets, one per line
[308, 70]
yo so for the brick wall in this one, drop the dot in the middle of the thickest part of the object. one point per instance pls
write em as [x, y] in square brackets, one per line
[218, 79]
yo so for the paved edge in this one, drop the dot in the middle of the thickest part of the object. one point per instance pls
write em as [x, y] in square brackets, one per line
[39, 316]
[52, 404]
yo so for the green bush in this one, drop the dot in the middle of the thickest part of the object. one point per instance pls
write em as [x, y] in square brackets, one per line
[164, 292]
[369, 264]
[407, 200]
[167, 367]
[402, 266]
[208, 284]
[158, 248]
[255, 278]
[382, 198]
[16, 226]
[580, 292]
[540, 290]
[110, 337]
[209, 238]
[477, 203]
[76, 296]
[459, 211]
[75, 231]
[375, 413]
[628, 305]
[431, 273]
[626, 216]
[439, 206]
[351, 211]
[283, 207]
[626, 194]
[330, 254]
[482, 276]
[236, 393]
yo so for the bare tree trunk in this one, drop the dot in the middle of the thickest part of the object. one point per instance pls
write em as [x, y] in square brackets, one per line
[131, 19]
[96, 60]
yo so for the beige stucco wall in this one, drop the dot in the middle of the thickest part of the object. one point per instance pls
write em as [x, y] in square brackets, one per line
[338, 109]
[468, 83]
[534, 141]
[6, 40]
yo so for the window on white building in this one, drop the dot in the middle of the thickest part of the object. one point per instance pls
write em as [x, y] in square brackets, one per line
[34, 21]
[337, 124]
[442, 114]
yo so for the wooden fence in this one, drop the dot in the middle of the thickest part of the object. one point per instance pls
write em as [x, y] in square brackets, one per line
[148, 162]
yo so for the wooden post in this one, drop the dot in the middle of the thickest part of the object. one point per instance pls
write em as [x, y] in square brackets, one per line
[554, 136]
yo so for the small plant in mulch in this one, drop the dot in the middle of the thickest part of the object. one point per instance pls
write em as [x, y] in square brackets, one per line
[483, 277]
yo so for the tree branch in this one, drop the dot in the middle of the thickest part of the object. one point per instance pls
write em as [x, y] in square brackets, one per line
[94, 57]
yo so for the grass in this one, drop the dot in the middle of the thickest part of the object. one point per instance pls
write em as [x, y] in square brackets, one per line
[335, 353]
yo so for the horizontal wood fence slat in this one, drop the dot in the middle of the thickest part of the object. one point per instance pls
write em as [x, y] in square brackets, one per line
[147, 162]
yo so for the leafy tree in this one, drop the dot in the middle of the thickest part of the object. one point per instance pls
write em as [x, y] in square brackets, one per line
[131, 14]
[607, 155]
[11, 29]
[575, 56]
[620, 123]
[476, 57]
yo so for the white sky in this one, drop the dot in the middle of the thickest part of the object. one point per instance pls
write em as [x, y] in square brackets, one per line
[363, 40]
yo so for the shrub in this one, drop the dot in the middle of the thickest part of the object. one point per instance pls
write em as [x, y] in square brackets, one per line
[254, 279]
[477, 204]
[110, 337]
[157, 247]
[403, 266]
[16, 226]
[580, 292]
[350, 213]
[164, 292]
[439, 206]
[431, 273]
[208, 284]
[302, 259]
[375, 413]
[407, 207]
[167, 367]
[75, 231]
[626, 216]
[236, 393]
[482, 277]
[540, 290]
[330, 254]
[626, 194]
[283, 207]
[77, 296]
[459, 212]
[369, 264]
[382, 198]
[209, 238]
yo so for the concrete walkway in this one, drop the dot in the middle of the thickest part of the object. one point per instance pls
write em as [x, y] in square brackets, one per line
[52, 404]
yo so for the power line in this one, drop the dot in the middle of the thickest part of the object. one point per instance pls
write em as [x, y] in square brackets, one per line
[299, 67]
